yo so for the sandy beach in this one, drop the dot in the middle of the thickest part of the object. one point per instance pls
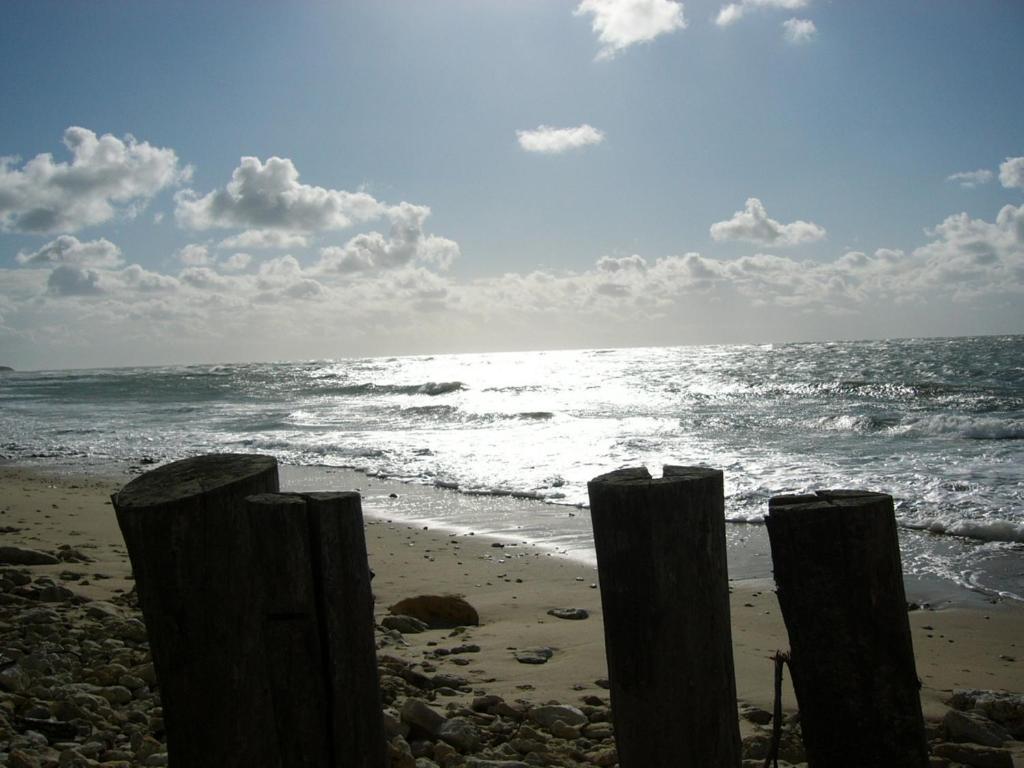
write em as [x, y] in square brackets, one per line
[513, 584]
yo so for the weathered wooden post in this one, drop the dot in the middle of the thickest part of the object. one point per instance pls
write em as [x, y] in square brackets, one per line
[665, 597]
[259, 615]
[837, 567]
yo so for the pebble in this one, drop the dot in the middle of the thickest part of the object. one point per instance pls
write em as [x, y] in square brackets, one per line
[534, 655]
[573, 614]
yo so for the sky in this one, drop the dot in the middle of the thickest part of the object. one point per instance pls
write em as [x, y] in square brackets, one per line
[208, 182]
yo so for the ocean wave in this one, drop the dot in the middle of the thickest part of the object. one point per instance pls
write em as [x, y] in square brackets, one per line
[859, 423]
[970, 427]
[982, 529]
[430, 410]
[431, 388]
[434, 388]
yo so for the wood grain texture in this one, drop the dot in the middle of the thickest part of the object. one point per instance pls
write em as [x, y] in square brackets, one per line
[260, 616]
[186, 529]
[665, 597]
[837, 567]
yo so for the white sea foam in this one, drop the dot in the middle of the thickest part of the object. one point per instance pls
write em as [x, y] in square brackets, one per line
[967, 426]
[988, 529]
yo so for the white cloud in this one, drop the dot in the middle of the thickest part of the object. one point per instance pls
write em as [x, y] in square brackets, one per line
[236, 262]
[552, 141]
[971, 179]
[106, 175]
[753, 225]
[1011, 172]
[270, 196]
[280, 307]
[134, 277]
[72, 280]
[194, 255]
[68, 249]
[405, 243]
[733, 12]
[622, 23]
[798, 30]
[265, 239]
[622, 263]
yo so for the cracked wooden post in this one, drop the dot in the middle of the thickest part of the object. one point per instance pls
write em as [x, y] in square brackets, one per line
[259, 615]
[665, 597]
[836, 560]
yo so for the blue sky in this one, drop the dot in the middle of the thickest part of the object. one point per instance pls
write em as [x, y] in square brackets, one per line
[409, 209]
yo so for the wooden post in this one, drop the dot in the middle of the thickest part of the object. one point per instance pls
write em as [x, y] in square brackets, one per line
[665, 597]
[837, 567]
[255, 609]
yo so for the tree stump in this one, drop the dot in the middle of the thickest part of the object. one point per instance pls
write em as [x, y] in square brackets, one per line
[837, 567]
[665, 597]
[259, 615]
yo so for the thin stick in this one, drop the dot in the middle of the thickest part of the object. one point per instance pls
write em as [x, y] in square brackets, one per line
[780, 659]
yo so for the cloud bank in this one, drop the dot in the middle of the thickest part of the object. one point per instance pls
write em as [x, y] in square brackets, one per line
[391, 291]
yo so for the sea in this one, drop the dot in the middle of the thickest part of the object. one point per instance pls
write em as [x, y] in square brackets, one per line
[938, 423]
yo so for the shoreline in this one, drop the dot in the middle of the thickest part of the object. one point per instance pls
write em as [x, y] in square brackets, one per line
[964, 643]
[418, 504]
[510, 583]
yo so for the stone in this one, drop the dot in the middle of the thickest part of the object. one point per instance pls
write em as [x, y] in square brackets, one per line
[756, 746]
[131, 629]
[24, 556]
[419, 714]
[407, 625]
[393, 726]
[446, 680]
[755, 715]
[476, 762]
[546, 715]
[14, 679]
[486, 703]
[69, 554]
[100, 609]
[444, 752]
[534, 655]
[54, 594]
[573, 614]
[39, 616]
[564, 731]
[116, 694]
[975, 755]
[460, 733]
[604, 757]
[1007, 709]
[598, 731]
[438, 611]
[17, 758]
[974, 727]
[400, 753]
[17, 578]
